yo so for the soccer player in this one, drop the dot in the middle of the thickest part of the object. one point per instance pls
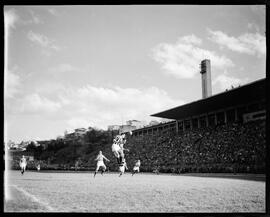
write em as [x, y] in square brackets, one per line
[122, 149]
[118, 148]
[136, 168]
[100, 163]
[122, 167]
[38, 167]
[156, 170]
[23, 164]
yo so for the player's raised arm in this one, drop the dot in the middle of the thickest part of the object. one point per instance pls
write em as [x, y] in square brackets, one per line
[106, 158]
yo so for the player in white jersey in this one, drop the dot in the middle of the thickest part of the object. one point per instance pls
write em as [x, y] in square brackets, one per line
[100, 163]
[123, 167]
[136, 168]
[118, 148]
[38, 167]
[122, 149]
[23, 164]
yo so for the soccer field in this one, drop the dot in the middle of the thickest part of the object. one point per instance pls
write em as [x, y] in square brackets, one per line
[80, 192]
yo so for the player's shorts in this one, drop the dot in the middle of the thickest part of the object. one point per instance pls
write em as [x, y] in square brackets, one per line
[101, 164]
[122, 169]
[136, 168]
[22, 165]
[115, 147]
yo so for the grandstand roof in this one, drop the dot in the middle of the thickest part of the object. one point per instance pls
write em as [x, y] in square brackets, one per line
[245, 94]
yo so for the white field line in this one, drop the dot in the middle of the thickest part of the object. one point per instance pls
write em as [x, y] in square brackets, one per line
[34, 198]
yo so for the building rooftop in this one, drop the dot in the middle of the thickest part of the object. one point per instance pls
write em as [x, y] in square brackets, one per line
[255, 91]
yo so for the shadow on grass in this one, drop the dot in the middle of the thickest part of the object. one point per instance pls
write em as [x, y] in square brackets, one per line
[251, 177]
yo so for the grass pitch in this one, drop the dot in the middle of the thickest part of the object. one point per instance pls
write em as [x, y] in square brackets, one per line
[80, 192]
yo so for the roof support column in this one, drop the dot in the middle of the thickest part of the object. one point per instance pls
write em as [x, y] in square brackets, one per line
[215, 118]
[206, 120]
[176, 126]
[235, 115]
[225, 117]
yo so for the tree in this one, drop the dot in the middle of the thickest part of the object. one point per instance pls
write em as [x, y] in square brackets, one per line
[31, 147]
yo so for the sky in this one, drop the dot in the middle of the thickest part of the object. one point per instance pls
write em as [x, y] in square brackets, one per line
[79, 66]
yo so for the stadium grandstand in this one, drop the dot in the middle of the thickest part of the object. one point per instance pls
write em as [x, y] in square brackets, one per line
[220, 133]
[241, 104]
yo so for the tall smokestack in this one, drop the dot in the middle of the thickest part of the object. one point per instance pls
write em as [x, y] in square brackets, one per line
[206, 78]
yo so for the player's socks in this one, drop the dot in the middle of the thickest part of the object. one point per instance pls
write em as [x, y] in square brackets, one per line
[95, 174]
[102, 171]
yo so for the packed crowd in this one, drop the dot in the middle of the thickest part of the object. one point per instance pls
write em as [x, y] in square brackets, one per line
[233, 148]
[225, 148]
